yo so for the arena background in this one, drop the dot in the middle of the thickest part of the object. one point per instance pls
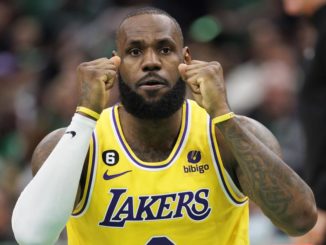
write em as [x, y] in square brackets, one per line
[262, 50]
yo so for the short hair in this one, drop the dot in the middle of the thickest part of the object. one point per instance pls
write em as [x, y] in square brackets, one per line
[153, 11]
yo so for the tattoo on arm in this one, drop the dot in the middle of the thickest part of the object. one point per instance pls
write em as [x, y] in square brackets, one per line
[262, 174]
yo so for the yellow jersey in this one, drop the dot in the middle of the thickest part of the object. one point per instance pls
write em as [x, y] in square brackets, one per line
[186, 199]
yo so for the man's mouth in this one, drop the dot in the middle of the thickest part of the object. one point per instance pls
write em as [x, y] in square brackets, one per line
[152, 84]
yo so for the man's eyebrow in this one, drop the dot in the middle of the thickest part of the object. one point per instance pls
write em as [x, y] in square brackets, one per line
[135, 43]
[161, 41]
[166, 40]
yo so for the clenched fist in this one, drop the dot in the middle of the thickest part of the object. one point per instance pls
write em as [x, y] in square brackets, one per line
[95, 78]
[206, 82]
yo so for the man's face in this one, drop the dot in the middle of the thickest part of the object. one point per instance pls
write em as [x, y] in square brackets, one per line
[151, 50]
[300, 7]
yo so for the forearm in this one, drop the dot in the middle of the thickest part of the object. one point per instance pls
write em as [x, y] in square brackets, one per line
[45, 205]
[268, 181]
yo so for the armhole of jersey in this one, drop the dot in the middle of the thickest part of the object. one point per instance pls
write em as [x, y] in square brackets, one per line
[89, 182]
[233, 194]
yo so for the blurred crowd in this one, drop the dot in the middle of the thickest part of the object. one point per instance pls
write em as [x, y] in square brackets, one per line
[262, 50]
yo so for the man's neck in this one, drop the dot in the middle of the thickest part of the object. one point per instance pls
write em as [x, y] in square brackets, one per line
[151, 140]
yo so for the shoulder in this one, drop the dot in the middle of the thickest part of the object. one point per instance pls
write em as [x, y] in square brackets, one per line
[262, 133]
[44, 148]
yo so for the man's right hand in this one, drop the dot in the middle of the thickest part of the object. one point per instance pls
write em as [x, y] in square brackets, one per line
[95, 78]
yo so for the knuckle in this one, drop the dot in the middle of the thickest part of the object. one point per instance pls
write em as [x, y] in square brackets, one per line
[216, 67]
[83, 64]
[215, 63]
[111, 66]
[82, 67]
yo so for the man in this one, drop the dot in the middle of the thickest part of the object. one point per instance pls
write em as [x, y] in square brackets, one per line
[154, 173]
[313, 112]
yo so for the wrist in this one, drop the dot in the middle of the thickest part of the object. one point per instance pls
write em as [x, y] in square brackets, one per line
[219, 111]
[87, 112]
[96, 107]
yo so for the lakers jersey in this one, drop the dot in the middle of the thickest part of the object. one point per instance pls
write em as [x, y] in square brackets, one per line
[186, 199]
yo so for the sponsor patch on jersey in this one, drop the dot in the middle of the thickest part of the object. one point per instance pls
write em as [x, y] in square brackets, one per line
[194, 165]
[110, 157]
[194, 156]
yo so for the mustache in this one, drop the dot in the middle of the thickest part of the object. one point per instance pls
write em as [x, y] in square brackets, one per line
[152, 76]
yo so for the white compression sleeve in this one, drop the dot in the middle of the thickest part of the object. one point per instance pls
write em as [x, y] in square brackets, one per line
[46, 203]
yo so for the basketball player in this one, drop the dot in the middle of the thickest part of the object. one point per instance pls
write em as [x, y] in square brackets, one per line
[157, 169]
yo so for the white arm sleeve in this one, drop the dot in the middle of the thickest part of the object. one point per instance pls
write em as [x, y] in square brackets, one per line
[46, 203]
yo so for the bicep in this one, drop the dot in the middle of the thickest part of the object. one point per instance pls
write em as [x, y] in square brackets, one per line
[261, 133]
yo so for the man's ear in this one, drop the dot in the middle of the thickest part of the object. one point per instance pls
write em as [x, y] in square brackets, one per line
[186, 55]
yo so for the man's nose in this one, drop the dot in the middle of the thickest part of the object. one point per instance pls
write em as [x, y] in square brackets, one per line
[151, 61]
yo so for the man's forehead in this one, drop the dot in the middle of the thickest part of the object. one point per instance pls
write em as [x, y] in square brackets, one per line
[139, 26]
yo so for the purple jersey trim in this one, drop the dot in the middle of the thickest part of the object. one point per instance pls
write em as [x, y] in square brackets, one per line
[134, 159]
[219, 167]
[90, 178]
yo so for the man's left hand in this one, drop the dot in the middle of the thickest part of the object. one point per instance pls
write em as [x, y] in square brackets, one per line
[206, 82]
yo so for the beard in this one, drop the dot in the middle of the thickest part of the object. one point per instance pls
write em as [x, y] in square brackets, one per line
[161, 108]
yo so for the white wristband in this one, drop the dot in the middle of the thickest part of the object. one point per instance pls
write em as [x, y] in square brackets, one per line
[48, 200]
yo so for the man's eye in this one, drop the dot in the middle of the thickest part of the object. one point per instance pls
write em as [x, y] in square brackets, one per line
[165, 50]
[134, 52]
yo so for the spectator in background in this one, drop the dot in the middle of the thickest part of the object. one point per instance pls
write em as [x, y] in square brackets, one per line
[246, 83]
[278, 111]
[255, 90]
[313, 112]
